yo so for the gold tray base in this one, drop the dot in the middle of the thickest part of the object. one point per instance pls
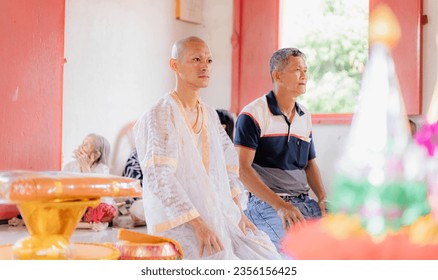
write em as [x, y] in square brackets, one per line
[81, 251]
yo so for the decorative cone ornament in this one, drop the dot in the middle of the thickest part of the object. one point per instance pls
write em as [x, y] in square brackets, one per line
[371, 179]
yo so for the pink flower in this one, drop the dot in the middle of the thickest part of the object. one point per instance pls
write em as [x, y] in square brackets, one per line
[428, 137]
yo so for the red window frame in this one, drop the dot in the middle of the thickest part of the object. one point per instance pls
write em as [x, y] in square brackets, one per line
[255, 38]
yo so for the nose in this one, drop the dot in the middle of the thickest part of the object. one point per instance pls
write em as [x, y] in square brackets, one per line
[204, 66]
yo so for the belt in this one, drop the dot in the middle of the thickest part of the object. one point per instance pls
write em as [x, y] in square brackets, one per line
[287, 197]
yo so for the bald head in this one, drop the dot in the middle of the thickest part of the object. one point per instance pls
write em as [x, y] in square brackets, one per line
[179, 47]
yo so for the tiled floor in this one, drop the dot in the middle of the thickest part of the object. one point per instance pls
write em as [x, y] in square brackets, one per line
[10, 235]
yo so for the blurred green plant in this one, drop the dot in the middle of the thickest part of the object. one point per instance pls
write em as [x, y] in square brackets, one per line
[336, 52]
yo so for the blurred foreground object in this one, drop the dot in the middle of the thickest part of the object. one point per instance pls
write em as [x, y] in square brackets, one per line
[373, 178]
[52, 203]
[357, 246]
[140, 246]
[427, 138]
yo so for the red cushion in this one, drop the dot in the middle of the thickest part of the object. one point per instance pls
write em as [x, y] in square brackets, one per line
[8, 211]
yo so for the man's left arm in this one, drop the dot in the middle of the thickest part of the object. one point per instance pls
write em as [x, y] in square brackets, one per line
[315, 182]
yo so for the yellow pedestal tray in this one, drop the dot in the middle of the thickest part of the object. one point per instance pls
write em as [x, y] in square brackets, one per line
[52, 204]
[79, 251]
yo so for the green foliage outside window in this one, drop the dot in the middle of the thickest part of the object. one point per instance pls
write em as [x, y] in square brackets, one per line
[336, 48]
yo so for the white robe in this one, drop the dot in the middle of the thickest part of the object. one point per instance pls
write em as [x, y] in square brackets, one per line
[180, 183]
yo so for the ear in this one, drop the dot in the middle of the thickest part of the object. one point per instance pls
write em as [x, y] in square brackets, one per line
[276, 76]
[173, 64]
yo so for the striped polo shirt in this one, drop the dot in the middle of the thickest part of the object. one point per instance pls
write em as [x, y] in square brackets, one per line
[282, 149]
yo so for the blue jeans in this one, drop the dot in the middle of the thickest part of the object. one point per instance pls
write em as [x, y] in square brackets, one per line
[266, 219]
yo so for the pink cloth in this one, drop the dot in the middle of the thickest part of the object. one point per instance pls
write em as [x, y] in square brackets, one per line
[103, 213]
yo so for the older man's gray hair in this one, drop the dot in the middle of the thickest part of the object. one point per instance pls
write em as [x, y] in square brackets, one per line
[280, 58]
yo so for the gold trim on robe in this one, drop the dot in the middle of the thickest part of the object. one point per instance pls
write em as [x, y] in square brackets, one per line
[233, 169]
[154, 160]
[235, 192]
[176, 222]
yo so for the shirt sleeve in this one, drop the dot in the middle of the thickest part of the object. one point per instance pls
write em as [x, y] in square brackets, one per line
[247, 131]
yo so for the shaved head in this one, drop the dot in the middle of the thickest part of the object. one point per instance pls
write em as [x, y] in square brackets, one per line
[180, 46]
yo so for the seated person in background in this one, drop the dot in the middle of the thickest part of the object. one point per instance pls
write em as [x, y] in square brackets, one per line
[227, 121]
[92, 157]
[133, 206]
[413, 127]
[132, 168]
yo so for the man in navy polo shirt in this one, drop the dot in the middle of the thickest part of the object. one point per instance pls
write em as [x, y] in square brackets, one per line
[276, 151]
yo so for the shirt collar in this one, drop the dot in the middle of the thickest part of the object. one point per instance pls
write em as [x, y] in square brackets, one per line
[275, 109]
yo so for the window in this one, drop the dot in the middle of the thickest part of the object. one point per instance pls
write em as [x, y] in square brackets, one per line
[255, 37]
[336, 52]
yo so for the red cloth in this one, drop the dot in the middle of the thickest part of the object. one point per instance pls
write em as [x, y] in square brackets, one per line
[312, 242]
[103, 213]
[8, 211]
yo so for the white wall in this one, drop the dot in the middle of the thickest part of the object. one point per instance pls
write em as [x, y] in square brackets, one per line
[117, 54]
[430, 52]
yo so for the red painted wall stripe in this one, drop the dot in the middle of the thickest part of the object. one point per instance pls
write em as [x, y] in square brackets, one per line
[255, 38]
[31, 75]
[407, 53]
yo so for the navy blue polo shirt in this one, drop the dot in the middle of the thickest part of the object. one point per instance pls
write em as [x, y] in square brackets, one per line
[282, 148]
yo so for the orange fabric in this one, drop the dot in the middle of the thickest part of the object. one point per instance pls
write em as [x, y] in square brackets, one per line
[95, 251]
[142, 238]
[31, 186]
